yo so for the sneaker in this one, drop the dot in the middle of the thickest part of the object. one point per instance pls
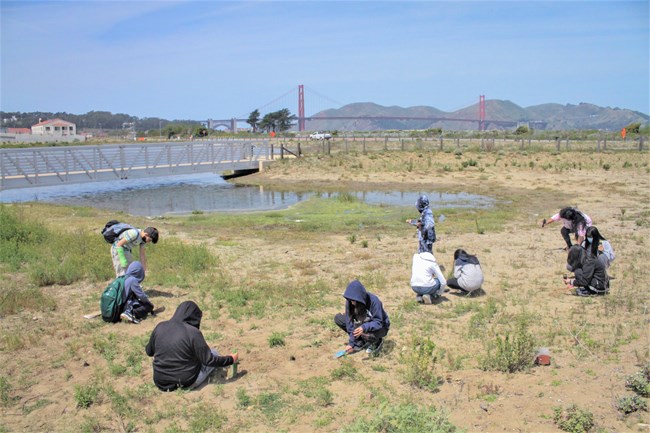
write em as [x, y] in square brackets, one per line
[580, 291]
[126, 315]
[428, 299]
[376, 346]
[419, 299]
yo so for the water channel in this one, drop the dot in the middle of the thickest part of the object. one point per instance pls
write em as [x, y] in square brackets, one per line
[208, 192]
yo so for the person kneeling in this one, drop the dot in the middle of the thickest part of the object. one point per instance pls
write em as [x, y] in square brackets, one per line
[590, 273]
[137, 305]
[365, 320]
[427, 280]
[181, 357]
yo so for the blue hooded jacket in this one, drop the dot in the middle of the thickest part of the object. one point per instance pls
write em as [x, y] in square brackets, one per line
[376, 317]
[132, 289]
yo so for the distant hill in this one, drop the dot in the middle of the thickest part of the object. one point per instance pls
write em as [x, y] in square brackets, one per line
[504, 114]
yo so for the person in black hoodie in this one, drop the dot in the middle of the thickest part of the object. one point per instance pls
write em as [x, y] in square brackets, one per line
[590, 273]
[181, 357]
[365, 320]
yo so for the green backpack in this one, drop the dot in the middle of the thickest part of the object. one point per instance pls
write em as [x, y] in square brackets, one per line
[112, 302]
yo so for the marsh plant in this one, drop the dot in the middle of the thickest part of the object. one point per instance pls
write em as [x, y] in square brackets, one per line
[5, 391]
[243, 399]
[345, 371]
[276, 339]
[404, 418]
[573, 419]
[420, 360]
[639, 382]
[631, 403]
[512, 353]
[86, 395]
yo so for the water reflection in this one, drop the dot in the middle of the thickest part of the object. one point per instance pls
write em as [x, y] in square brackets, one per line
[209, 193]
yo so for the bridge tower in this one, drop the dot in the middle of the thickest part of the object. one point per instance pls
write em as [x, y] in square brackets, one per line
[481, 113]
[301, 107]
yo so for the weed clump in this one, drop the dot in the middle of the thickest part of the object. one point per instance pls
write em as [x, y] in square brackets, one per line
[404, 418]
[512, 353]
[86, 395]
[420, 360]
[276, 339]
[631, 403]
[639, 382]
[574, 420]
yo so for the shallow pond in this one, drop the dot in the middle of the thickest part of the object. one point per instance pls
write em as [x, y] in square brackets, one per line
[210, 193]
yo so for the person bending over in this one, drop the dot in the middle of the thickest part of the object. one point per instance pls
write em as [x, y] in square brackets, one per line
[573, 221]
[125, 242]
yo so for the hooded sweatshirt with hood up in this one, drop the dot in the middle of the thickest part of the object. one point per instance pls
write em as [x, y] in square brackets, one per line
[467, 271]
[179, 349]
[375, 317]
[133, 293]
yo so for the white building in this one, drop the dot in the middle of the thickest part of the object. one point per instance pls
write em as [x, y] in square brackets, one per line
[55, 127]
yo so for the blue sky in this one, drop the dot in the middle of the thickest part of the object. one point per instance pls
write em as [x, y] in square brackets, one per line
[220, 59]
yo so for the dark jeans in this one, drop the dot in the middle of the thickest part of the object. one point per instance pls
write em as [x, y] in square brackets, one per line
[565, 235]
[366, 337]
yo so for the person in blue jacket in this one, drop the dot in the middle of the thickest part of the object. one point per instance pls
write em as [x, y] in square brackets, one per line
[136, 303]
[425, 224]
[364, 320]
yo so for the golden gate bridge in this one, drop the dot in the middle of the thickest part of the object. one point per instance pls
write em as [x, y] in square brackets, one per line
[302, 119]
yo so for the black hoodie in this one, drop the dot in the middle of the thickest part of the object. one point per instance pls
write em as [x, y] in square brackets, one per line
[179, 349]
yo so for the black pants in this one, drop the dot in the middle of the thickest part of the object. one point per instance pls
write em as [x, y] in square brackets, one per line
[566, 236]
[453, 283]
[140, 311]
[368, 337]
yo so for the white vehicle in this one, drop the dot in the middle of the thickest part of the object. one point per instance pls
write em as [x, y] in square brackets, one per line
[320, 136]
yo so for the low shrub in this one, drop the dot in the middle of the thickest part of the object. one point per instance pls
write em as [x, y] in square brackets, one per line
[404, 418]
[86, 395]
[420, 360]
[631, 403]
[639, 382]
[512, 353]
[574, 419]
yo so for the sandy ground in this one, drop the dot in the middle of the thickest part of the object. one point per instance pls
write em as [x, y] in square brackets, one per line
[594, 342]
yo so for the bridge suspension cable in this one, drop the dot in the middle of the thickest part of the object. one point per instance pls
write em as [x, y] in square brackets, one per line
[271, 102]
[320, 95]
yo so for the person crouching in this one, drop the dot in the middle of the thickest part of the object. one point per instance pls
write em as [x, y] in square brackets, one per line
[365, 320]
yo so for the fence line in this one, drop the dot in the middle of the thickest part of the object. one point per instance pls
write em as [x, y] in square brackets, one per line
[344, 144]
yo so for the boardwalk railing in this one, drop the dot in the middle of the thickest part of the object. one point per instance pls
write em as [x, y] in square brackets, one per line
[76, 164]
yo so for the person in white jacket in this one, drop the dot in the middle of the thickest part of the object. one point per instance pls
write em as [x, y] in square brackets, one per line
[468, 275]
[427, 280]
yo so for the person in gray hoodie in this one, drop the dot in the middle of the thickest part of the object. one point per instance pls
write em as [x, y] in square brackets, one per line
[136, 303]
[468, 275]
[364, 320]
[181, 356]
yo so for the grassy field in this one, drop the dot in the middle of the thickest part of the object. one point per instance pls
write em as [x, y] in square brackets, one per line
[269, 284]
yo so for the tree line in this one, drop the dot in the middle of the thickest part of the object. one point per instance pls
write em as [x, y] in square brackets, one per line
[277, 121]
[92, 120]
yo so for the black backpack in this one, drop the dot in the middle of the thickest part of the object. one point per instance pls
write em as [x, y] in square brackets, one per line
[113, 229]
